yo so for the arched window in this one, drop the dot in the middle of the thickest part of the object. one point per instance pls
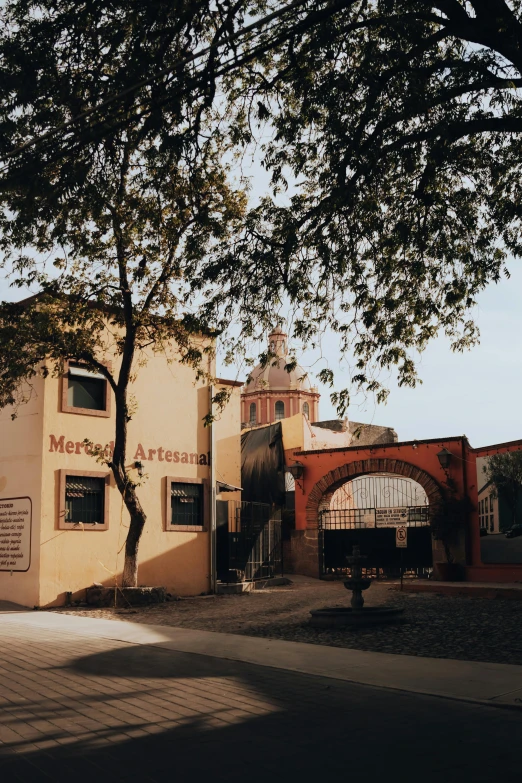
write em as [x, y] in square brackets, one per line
[306, 410]
[279, 410]
[253, 413]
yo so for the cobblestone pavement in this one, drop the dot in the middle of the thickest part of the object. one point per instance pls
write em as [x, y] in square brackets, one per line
[77, 708]
[473, 629]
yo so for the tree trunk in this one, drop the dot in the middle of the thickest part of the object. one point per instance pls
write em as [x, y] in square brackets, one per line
[137, 523]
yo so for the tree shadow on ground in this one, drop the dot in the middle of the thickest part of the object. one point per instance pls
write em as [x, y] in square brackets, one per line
[243, 723]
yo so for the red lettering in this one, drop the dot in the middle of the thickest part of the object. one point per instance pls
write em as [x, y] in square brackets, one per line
[152, 453]
[69, 447]
[184, 456]
[140, 452]
[193, 459]
[168, 456]
[56, 445]
[175, 456]
[78, 447]
[160, 453]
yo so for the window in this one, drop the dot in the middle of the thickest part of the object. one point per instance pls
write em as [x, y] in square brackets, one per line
[306, 410]
[491, 502]
[85, 392]
[279, 410]
[84, 500]
[253, 413]
[186, 504]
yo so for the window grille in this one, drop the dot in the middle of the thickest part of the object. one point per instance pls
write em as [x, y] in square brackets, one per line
[84, 500]
[279, 410]
[306, 410]
[253, 413]
[186, 501]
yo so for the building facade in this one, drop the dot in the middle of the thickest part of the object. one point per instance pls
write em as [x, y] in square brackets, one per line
[63, 524]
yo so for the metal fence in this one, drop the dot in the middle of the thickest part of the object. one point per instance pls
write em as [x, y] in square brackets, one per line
[248, 542]
[373, 530]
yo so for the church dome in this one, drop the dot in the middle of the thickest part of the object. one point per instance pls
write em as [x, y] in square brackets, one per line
[273, 375]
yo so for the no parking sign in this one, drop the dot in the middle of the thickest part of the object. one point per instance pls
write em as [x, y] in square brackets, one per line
[401, 537]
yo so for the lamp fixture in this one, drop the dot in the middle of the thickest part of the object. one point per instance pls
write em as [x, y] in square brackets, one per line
[139, 468]
[296, 470]
[445, 456]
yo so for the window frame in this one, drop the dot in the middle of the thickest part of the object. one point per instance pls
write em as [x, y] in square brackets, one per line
[168, 527]
[251, 420]
[279, 402]
[84, 526]
[66, 408]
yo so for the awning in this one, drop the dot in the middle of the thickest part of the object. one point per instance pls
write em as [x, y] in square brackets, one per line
[85, 373]
[222, 487]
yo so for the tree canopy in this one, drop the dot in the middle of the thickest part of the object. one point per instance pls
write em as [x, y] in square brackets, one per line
[110, 235]
[396, 126]
[505, 473]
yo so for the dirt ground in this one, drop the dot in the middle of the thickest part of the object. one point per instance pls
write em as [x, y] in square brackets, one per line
[475, 629]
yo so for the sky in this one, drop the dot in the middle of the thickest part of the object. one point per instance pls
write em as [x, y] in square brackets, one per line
[477, 393]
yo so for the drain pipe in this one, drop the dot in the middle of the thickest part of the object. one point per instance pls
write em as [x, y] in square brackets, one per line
[213, 525]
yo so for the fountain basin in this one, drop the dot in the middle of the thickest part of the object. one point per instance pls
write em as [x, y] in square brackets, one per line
[340, 616]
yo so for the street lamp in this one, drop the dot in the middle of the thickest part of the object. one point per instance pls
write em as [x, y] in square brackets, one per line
[444, 458]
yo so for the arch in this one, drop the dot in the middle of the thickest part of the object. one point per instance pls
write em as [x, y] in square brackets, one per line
[321, 493]
[252, 417]
[306, 410]
[279, 410]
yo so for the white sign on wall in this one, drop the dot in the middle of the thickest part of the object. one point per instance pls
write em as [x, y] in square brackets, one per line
[391, 517]
[401, 537]
[15, 534]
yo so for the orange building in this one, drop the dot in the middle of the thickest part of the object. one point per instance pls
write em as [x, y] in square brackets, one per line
[444, 468]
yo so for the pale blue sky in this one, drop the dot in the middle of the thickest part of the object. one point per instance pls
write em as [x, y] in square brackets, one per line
[478, 393]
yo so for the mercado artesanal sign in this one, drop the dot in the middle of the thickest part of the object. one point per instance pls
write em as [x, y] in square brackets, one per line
[60, 444]
[391, 517]
[15, 534]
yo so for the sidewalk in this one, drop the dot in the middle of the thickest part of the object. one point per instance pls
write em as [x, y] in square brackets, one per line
[485, 683]
[114, 702]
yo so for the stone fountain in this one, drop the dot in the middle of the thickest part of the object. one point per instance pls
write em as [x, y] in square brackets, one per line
[356, 614]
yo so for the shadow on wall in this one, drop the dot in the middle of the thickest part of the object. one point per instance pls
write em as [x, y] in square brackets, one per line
[183, 570]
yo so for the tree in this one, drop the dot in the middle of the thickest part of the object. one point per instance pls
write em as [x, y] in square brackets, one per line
[504, 471]
[109, 235]
[397, 124]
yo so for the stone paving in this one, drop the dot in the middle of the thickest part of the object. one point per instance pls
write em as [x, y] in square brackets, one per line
[76, 708]
[473, 629]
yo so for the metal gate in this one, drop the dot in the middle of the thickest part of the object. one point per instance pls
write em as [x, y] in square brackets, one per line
[248, 542]
[366, 512]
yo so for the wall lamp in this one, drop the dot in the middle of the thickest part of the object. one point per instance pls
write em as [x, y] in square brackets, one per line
[297, 472]
[139, 468]
[445, 458]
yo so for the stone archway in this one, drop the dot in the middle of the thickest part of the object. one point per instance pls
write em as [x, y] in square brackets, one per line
[323, 490]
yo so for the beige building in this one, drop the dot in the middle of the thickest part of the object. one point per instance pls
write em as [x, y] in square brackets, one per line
[62, 521]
